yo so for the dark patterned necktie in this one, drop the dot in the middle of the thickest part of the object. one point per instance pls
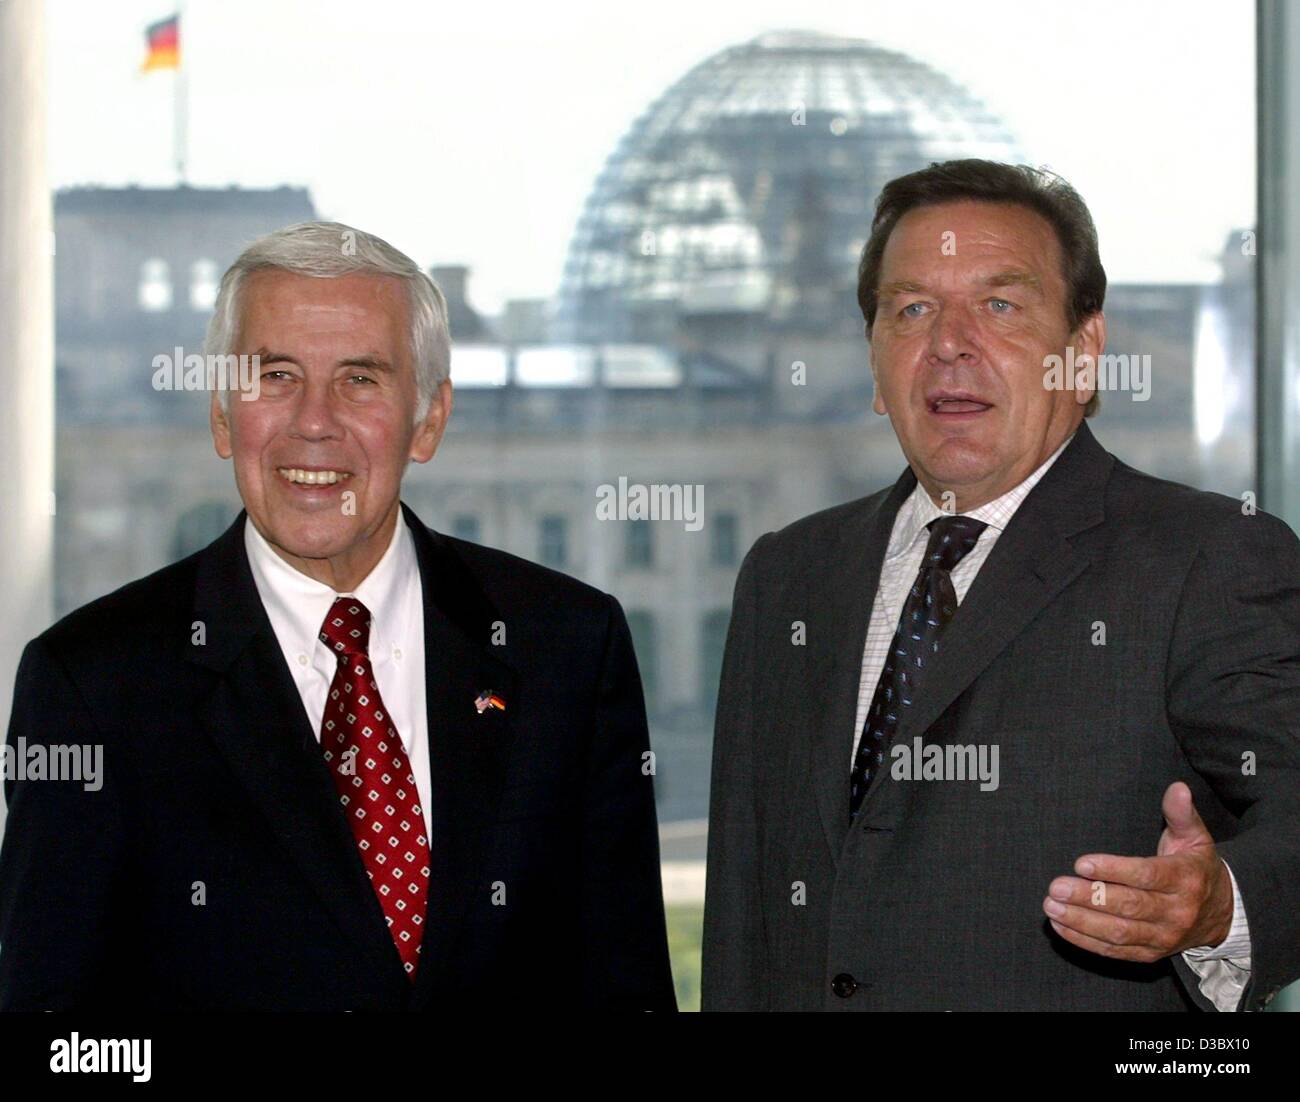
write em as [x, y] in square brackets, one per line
[374, 781]
[930, 605]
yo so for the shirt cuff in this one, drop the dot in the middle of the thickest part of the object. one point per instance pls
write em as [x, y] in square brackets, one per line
[1223, 970]
[1236, 946]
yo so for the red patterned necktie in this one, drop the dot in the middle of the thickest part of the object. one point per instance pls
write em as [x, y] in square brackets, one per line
[374, 780]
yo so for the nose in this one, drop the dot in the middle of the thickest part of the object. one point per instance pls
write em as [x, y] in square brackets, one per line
[314, 413]
[952, 336]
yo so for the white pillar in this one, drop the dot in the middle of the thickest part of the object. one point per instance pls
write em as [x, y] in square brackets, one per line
[26, 342]
[1278, 335]
[1277, 342]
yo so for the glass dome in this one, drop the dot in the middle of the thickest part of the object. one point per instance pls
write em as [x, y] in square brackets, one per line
[747, 188]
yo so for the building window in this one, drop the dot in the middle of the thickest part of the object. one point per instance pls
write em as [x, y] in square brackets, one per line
[638, 551]
[642, 627]
[155, 285]
[724, 544]
[203, 284]
[465, 526]
[554, 541]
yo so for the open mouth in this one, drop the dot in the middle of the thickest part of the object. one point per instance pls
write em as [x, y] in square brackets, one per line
[957, 407]
[313, 476]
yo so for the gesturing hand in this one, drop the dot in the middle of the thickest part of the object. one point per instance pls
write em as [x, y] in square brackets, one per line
[1146, 908]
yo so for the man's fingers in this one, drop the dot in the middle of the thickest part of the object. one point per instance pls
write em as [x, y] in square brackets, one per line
[1115, 899]
[1151, 874]
[1129, 938]
[1139, 908]
[1182, 818]
[1103, 948]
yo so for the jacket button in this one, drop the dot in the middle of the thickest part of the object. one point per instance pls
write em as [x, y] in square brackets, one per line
[844, 985]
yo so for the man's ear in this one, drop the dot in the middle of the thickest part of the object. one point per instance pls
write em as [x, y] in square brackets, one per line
[220, 425]
[1089, 340]
[877, 402]
[428, 433]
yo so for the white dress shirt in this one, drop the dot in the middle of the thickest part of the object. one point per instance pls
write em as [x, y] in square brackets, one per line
[296, 606]
[1223, 970]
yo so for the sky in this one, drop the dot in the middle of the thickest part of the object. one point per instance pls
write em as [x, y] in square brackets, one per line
[473, 135]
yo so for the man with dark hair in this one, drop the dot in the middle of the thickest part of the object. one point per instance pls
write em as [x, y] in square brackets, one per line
[953, 713]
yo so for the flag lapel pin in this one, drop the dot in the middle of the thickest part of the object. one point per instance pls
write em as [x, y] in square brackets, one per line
[488, 699]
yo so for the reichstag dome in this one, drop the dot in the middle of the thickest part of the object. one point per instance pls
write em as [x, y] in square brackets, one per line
[747, 188]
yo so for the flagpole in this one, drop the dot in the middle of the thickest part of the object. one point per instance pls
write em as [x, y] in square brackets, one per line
[180, 104]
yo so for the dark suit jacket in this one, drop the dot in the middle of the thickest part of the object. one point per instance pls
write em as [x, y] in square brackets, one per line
[213, 774]
[933, 901]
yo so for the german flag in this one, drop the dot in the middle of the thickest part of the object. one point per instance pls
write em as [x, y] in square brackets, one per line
[163, 41]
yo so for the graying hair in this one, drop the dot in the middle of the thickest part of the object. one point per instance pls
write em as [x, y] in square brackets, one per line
[327, 250]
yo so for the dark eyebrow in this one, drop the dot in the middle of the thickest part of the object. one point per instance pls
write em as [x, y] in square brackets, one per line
[901, 287]
[1006, 277]
[1014, 277]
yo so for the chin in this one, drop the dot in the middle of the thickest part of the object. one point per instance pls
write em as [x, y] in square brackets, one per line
[307, 539]
[959, 460]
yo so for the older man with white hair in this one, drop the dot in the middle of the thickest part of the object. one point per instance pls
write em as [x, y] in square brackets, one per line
[349, 763]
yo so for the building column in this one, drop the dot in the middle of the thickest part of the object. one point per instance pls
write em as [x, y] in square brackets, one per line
[1277, 345]
[1278, 315]
[26, 340]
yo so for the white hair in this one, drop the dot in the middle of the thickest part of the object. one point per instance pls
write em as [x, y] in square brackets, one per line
[328, 250]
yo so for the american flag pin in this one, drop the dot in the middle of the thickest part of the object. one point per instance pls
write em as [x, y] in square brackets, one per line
[488, 699]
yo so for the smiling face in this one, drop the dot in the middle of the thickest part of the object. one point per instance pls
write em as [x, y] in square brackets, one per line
[319, 454]
[972, 300]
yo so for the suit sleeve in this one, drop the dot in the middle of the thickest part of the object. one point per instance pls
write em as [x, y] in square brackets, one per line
[1234, 705]
[625, 943]
[735, 965]
[62, 855]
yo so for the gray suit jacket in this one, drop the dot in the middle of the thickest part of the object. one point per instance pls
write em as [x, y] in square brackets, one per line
[932, 901]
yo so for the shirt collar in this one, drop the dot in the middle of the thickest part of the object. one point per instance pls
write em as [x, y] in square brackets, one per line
[297, 604]
[918, 510]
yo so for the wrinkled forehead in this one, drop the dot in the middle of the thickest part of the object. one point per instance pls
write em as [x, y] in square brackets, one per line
[973, 242]
[279, 306]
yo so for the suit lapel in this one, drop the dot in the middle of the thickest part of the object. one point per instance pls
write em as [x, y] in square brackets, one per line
[1029, 565]
[837, 634]
[468, 749]
[252, 711]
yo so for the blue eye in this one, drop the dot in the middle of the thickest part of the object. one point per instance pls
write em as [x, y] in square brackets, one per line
[1010, 305]
[909, 306]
